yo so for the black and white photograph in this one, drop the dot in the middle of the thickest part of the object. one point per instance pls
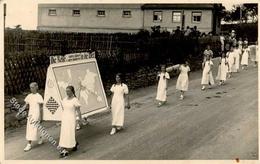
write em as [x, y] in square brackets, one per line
[130, 81]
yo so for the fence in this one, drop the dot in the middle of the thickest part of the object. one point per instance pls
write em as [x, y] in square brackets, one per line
[27, 55]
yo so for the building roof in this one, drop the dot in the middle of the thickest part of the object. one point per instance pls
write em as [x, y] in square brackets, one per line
[178, 6]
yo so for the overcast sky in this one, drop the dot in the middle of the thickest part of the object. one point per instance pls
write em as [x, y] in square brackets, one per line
[25, 13]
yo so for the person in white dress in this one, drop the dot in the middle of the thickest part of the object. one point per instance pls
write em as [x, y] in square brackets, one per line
[120, 93]
[163, 78]
[35, 102]
[245, 56]
[207, 52]
[240, 43]
[70, 106]
[183, 79]
[222, 69]
[238, 53]
[231, 61]
[256, 54]
[207, 77]
[222, 41]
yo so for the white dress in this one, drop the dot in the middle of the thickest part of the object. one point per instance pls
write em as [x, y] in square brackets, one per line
[68, 122]
[222, 69]
[231, 60]
[161, 89]
[245, 55]
[240, 44]
[206, 75]
[183, 79]
[34, 101]
[238, 52]
[118, 103]
[256, 53]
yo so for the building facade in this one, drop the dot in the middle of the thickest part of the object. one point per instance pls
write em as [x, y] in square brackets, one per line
[129, 18]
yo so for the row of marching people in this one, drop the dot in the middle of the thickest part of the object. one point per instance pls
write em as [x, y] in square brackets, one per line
[229, 63]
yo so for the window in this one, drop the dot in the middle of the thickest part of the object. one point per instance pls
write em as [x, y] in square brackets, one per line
[126, 14]
[52, 12]
[76, 12]
[196, 17]
[101, 13]
[176, 16]
[157, 16]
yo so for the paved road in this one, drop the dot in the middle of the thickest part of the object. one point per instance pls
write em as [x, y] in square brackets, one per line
[220, 123]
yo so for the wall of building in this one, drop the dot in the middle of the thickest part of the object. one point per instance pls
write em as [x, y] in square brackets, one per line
[204, 26]
[88, 20]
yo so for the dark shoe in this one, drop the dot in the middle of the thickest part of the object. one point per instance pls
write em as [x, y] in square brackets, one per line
[76, 147]
[64, 154]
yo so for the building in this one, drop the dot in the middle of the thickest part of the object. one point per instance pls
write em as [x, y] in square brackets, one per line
[130, 18]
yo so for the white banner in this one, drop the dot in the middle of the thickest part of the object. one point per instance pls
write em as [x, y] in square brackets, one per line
[85, 77]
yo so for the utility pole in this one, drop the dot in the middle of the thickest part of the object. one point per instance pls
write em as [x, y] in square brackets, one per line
[4, 14]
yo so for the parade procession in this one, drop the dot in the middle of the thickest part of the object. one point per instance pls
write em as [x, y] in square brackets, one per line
[177, 90]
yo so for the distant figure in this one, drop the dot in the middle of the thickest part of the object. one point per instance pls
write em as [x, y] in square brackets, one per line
[183, 79]
[188, 31]
[177, 32]
[256, 55]
[246, 41]
[238, 53]
[222, 69]
[233, 40]
[240, 43]
[207, 77]
[245, 56]
[163, 78]
[207, 52]
[222, 41]
[231, 61]
[120, 93]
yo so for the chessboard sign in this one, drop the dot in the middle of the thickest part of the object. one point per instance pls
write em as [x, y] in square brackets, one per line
[85, 77]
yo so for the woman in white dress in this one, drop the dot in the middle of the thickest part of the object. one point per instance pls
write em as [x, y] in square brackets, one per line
[163, 78]
[35, 102]
[231, 61]
[208, 52]
[120, 93]
[245, 56]
[238, 53]
[222, 69]
[70, 105]
[183, 79]
[256, 54]
[240, 43]
[207, 77]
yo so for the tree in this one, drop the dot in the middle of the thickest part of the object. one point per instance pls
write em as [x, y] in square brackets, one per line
[242, 13]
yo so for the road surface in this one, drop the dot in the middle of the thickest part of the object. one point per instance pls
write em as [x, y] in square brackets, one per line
[219, 123]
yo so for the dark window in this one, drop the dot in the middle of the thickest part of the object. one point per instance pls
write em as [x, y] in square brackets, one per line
[196, 17]
[52, 12]
[157, 16]
[176, 16]
[76, 13]
[101, 13]
[126, 13]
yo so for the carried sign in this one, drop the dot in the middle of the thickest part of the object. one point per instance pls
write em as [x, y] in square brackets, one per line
[84, 75]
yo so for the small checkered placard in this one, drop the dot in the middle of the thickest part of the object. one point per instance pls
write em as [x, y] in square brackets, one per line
[52, 105]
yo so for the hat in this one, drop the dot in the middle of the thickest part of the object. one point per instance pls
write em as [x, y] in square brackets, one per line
[233, 31]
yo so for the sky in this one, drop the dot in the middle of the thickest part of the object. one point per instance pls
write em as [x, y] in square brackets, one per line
[25, 13]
